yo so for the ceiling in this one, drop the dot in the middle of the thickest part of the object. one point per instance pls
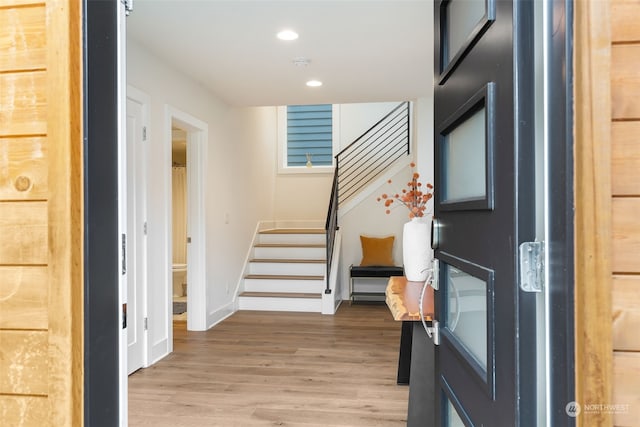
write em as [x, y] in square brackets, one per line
[362, 51]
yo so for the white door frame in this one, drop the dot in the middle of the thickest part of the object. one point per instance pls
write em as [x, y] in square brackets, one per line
[142, 264]
[197, 138]
[123, 389]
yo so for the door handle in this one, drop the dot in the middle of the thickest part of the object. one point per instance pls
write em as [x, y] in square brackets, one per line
[433, 331]
[436, 225]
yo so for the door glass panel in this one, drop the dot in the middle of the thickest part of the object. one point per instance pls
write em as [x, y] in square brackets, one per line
[453, 419]
[464, 16]
[464, 158]
[467, 312]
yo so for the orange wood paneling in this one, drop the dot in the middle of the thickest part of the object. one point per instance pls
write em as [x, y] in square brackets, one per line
[625, 158]
[626, 392]
[23, 297]
[626, 235]
[626, 313]
[14, 3]
[24, 411]
[23, 168]
[23, 227]
[593, 340]
[625, 81]
[23, 362]
[22, 39]
[23, 108]
[65, 215]
[41, 306]
[624, 19]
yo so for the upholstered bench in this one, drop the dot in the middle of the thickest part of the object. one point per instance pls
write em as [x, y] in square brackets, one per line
[371, 272]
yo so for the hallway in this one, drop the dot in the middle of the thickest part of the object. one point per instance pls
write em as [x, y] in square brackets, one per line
[269, 369]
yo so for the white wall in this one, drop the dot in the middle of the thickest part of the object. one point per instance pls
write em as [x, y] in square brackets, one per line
[306, 196]
[242, 185]
[238, 181]
[368, 217]
[356, 119]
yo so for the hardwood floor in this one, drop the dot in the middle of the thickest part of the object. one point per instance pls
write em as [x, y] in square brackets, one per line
[277, 369]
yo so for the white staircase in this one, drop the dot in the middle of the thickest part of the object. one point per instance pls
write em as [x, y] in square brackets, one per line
[286, 271]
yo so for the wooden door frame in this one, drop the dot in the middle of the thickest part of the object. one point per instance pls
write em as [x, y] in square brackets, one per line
[593, 221]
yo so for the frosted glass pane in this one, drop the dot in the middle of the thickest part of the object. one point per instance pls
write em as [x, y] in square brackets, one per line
[464, 161]
[453, 419]
[467, 312]
[462, 18]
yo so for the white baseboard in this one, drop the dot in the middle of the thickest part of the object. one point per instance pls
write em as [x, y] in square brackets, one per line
[220, 314]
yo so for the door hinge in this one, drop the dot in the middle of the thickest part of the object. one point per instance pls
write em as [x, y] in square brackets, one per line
[128, 7]
[531, 266]
[144, 133]
[144, 228]
[146, 323]
[124, 254]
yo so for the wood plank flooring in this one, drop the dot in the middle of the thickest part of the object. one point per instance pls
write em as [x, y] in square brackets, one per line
[277, 369]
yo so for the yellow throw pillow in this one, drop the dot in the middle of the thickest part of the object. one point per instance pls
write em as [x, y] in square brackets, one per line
[377, 251]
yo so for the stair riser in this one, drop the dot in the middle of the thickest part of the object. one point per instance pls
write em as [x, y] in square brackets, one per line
[287, 269]
[309, 305]
[295, 286]
[290, 253]
[292, 238]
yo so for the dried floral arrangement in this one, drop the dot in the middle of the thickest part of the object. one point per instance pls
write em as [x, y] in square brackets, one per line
[415, 197]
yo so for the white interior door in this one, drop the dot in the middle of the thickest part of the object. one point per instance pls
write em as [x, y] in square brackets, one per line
[136, 245]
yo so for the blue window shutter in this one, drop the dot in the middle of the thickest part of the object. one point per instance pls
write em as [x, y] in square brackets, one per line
[309, 131]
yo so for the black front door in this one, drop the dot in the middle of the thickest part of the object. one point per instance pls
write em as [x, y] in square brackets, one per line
[484, 180]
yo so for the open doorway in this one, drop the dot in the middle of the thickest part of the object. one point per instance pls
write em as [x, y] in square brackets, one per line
[186, 228]
[179, 193]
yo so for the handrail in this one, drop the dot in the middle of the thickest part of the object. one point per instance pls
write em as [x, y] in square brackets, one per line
[331, 226]
[362, 161]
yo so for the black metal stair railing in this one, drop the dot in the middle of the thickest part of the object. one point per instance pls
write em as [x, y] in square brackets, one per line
[373, 152]
[331, 226]
[364, 160]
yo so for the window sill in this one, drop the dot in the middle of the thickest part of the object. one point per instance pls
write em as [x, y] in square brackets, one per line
[303, 170]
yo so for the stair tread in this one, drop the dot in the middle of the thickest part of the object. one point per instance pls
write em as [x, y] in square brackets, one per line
[293, 231]
[290, 245]
[282, 277]
[292, 261]
[280, 295]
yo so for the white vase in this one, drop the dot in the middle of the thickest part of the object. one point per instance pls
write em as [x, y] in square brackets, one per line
[416, 249]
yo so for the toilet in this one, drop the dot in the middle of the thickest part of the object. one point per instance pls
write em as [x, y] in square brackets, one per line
[179, 280]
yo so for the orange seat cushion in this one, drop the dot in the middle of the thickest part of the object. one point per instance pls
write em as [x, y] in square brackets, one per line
[377, 251]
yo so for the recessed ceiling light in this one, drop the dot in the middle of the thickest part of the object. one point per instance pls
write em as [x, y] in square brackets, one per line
[314, 83]
[287, 35]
